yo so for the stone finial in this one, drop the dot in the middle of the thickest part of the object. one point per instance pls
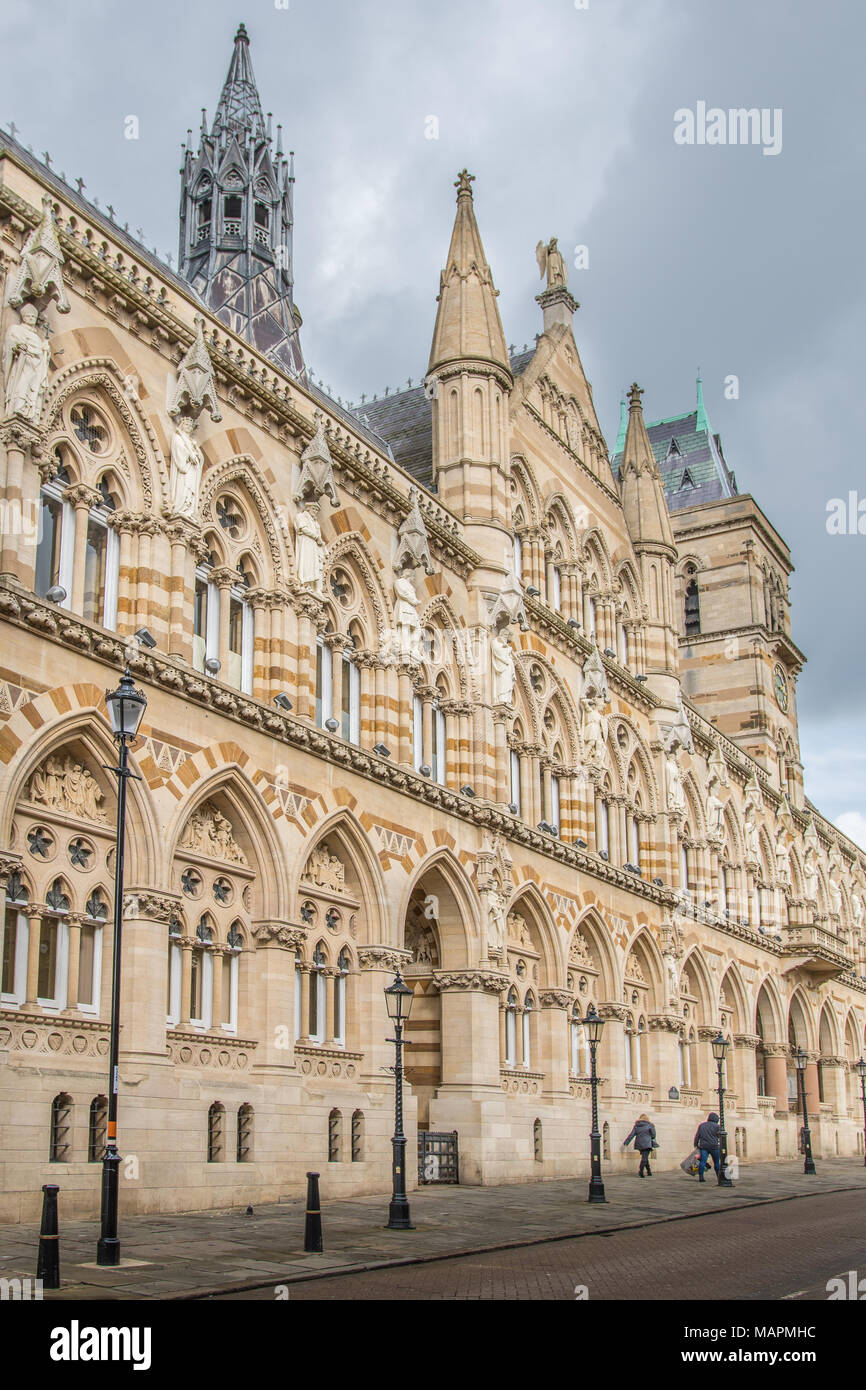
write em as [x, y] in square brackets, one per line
[195, 388]
[679, 735]
[552, 263]
[317, 469]
[595, 678]
[413, 547]
[38, 278]
[464, 183]
[717, 766]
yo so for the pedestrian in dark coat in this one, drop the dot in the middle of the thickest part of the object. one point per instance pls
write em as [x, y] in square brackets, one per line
[644, 1135]
[708, 1140]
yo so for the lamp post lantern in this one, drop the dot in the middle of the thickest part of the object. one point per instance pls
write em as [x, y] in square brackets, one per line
[126, 706]
[398, 998]
[860, 1068]
[720, 1052]
[801, 1061]
[594, 1026]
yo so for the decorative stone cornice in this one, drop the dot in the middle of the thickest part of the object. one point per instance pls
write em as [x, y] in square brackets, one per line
[706, 1032]
[477, 981]
[17, 432]
[146, 904]
[613, 1013]
[774, 1049]
[747, 1040]
[9, 862]
[290, 936]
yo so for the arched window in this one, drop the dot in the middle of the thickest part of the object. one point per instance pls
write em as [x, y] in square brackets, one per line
[317, 987]
[590, 616]
[358, 1136]
[537, 1147]
[343, 964]
[439, 739]
[61, 1129]
[555, 598]
[324, 682]
[692, 604]
[335, 1136]
[685, 867]
[215, 1126]
[634, 840]
[97, 1129]
[206, 616]
[528, 1007]
[90, 953]
[350, 713]
[231, 961]
[201, 976]
[55, 542]
[515, 781]
[53, 949]
[241, 634]
[16, 933]
[629, 1049]
[518, 558]
[245, 1134]
[555, 802]
[174, 974]
[233, 212]
[602, 825]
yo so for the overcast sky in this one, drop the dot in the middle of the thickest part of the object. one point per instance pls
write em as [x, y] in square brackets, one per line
[714, 256]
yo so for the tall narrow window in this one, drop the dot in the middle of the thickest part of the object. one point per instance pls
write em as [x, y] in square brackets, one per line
[317, 982]
[241, 642]
[101, 560]
[634, 828]
[527, 1031]
[556, 596]
[417, 732]
[343, 963]
[173, 975]
[53, 950]
[55, 540]
[13, 984]
[515, 781]
[590, 616]
[245, 1134]
[554, 802]
[61, 1129]
[97, 1129]
[335, 1136]
[206, 618]
[693, 609]
[684, 867]
[603, 827]
[90, 954]
[350, 715]
[623, 645]
[215, 1127]
[517, 552]
[440, 751]
[324, 683]
[358, 1136]
[511, 1029]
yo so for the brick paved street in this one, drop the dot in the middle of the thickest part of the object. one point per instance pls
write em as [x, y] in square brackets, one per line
[169, 1257]
[770, 1252]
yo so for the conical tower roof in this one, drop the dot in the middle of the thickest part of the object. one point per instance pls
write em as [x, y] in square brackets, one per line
[643, 498]
[240, 108]
[468, 326]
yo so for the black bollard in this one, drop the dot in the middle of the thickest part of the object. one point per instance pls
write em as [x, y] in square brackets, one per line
[313, 1222]
[48, 1263]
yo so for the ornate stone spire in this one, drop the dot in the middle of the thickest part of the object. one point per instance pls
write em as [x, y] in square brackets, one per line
[643, 498]
[468, 326]
[236, 220]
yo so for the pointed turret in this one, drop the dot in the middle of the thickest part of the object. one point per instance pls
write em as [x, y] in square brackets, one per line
[236, 219]
[469, 378]
[649, 525]
[468, 326]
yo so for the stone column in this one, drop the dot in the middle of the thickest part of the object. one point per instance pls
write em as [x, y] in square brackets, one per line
[261, 601]
[335, 642]
[225, 579]
[216, 1012]
[278, 946]
[553, 1041]
[776, 1072]
[501, 715]
[331, 978]
[470, 1029]
[35, 913]
[124, 524]
[187, 943]
[665, 1031]
[303, 967]
[82, 499]
[464, 748]
[372, 1027]
[181, 536]
[380, 722]
[813, 1095]
[308, 612]
[146, 528]
[23, 441]
[405, 714]
[745, 1073]
[428, 694]
[147, 916]
[73, 925]
[503, 1037]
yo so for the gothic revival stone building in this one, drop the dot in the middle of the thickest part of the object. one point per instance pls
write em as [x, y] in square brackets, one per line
[429, 684]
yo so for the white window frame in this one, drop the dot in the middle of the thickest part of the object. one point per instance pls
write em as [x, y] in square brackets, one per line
[61, 971]
[440, 746]
[248, 645]
[299, 985]
[203, 1024]
[112, 579]
[67, 538]
[515, 780]
[629, 1060]
[555, 802]
[353, 672]
[517, 558]
[604, 827]
[557, 589]
[623, 645]
[527, 1040]
[635, 841]
[590, 615]
[234, 974]
[19, 972]
[340, 995]
[723, 890]
[175, 974]
[417, 732]
[510, 1035]
[684, 867]
[97, 929]
[323, 666]
[321, 1006]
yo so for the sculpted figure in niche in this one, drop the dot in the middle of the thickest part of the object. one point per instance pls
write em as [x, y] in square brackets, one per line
[715, 810]
[326, 870]
[25, 366]
[407, 626]
[810, 874]
[187, 462]
[502, 659]
[67, 786]
[310, 549]
[595, 725]
[496, 923]
[676, 794]
[751, 841]
[39, 275]
[783, 867]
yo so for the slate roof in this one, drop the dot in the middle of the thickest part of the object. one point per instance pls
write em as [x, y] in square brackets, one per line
[404, 420]
[690, 460]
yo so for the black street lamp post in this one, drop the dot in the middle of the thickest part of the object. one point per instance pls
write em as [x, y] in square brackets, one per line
[860, 1068]
[801, 1060]
[720, 1051]
[399, 999]
[594, 1025]
[126, 706]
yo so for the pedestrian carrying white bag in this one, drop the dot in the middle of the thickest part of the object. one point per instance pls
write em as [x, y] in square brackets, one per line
[691, 1164]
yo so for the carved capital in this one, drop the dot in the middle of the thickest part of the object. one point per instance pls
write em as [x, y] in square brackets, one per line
[706, 1033]
[477, 981]
[8, 864]
[150, 906]
[17, 432]
[287, 935]
[665, 1023]
[613, 1013]
[555, 998]
[80, 495]
[389, 958]
[747, 1040]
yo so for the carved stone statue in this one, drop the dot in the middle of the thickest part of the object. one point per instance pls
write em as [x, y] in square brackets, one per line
[209, 832]
[551, 260]
[187, 462]
[594, 730]
[834, 876]
[673, 980]
[413, 547]
[39, 277]
[715, 810]
[406, 624]
[25, 365]
[496, 923]
[517, 930]
[326, 870]
[751, 841]
[508, 606]
[317, 470]
[674, 780]
[783, 865]
[857, 909]
[309, 549]
[810, 874]
[502, 660]
[195, 387]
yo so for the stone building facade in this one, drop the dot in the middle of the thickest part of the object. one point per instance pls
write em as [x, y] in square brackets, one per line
[425, 689]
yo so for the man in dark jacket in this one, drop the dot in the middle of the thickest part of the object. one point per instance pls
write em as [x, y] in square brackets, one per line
[708, 1140]
[644, 1135]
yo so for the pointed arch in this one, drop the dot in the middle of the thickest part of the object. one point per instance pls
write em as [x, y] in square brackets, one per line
[645, 947]
[770, 1015]
[242, 471]
[344, 829]
[704, 989]
[353, 550]
[456, 907]
[596, 933]
[530, 902]
[732, 989]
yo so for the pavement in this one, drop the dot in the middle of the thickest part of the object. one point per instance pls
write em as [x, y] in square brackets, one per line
[199, 1254]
